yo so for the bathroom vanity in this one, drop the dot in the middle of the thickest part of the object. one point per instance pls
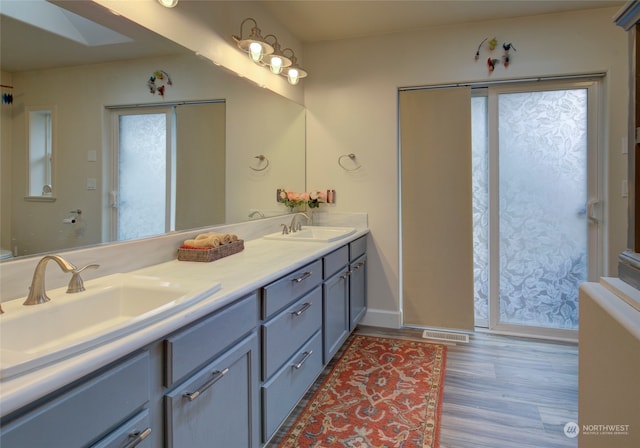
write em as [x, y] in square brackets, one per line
[225, 372]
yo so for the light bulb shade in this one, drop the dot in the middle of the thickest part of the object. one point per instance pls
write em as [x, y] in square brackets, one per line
[275, 65]
[255, 44]
[168, 3]
[294, 74]
[256, 52]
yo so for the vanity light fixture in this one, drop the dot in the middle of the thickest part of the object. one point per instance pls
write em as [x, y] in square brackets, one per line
[168, 3]
[254, 44]
[268, 54]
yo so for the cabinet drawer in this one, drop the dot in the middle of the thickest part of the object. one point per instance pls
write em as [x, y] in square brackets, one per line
[86, 412]
[335, 261]
[282, 292]
[189, 349]
[357, 248]
[218, 406]
[283, 334]
[282, 392]
[134, 433]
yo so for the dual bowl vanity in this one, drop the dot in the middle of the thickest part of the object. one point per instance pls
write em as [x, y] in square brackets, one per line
[182, 353]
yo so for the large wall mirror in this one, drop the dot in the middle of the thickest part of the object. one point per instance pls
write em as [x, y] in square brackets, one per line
[230, 166]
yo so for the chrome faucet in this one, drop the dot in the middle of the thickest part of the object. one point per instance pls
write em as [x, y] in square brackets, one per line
[37, 292]
[297, 226]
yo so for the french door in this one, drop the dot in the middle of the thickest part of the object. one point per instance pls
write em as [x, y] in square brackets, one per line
[142, 191]
[536, 212]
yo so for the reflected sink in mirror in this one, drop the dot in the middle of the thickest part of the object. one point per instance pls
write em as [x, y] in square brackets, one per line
[320, 234]
[111, 307]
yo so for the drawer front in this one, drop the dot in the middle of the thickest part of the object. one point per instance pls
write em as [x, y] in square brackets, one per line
[357, 248]
[218, 406]
[335, 261]
[283, 334]
[281, 394]
[189, 349]
[134, 433]
[86, 412]
[282, 292]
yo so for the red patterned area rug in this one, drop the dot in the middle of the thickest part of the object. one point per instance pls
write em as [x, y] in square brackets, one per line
[382, 392]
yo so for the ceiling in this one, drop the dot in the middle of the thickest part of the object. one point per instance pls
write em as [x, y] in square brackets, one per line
[322, 20]
[309, 20]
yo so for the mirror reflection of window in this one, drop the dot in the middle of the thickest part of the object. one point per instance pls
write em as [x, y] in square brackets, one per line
[40, 152]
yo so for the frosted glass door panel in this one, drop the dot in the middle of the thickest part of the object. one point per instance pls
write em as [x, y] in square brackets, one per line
[542, 196]
[480, 185]
[142, 170]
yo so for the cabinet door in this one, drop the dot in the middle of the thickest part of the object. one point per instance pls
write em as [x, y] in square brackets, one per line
[218, 406]
[336, 313]
[357, 291]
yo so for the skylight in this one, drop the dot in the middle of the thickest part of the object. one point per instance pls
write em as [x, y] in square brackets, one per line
[49, 17]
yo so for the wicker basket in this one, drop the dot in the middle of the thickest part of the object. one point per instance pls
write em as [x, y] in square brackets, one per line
[210, 254]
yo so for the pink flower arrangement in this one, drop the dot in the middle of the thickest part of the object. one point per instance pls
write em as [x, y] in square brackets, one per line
[313, 199]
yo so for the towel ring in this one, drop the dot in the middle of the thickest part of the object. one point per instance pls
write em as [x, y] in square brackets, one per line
[262, 159]
[352, 156]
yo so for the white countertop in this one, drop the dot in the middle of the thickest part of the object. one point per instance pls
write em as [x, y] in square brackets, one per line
[261, 262]
[615, 297]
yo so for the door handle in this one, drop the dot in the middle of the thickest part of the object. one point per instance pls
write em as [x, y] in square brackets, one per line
[592, 210]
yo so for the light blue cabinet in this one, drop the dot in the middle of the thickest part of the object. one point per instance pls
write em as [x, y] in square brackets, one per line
[291, 342]
[91, 410]
[357, 281]
[335, 298]
[212, 370]
[218, 405]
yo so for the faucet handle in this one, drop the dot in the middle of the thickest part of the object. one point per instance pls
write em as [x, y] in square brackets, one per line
[285, 229]
[76, 284]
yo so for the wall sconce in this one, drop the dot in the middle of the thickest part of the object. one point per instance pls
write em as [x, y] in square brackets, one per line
[268, 54]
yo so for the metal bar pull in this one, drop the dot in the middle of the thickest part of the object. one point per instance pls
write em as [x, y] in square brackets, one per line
[302, 277]
[305, 356]
[217, 375]
[346, 275]
[138, 437]
[358, 266]
[304, 308]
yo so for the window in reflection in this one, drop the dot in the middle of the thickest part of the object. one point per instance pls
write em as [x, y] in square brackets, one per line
[40, 152]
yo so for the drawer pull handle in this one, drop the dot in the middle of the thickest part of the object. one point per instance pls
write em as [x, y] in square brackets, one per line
[217, 375]
[302, 277]
[138, 437]
[305, 356]
[304, 308]
[346, 275]
[359, 265]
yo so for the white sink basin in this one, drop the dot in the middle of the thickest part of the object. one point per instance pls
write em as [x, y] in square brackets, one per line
[111, 307]
[321, 234]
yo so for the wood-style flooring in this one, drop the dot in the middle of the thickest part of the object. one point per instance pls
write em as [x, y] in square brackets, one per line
[499, 392]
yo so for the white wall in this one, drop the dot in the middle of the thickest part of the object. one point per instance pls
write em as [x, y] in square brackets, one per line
[351, 100]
